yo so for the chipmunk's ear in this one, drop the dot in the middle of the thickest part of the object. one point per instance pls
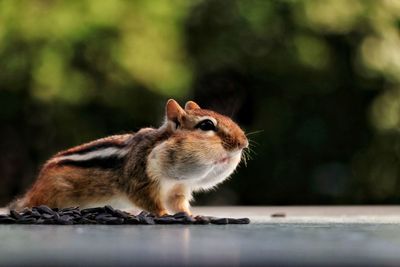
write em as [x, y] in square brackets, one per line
[174, 111]
[191, 105]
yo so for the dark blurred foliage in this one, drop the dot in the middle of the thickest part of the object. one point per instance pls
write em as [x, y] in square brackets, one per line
[315, 83]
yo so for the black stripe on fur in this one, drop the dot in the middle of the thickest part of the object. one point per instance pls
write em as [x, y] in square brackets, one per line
[111, 162]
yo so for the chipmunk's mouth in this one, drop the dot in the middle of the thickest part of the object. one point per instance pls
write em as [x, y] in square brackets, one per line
[223, 160]
[228, 157]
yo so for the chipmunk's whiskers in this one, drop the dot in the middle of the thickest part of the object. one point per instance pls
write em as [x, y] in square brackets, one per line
[244, 159]
[247, 152]
[252, 142]
[245, 156]
[254, 132]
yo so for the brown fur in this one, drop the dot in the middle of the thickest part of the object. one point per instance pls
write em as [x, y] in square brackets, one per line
[68, 186]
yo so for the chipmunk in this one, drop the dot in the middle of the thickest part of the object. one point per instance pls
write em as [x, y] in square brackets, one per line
[154, 169]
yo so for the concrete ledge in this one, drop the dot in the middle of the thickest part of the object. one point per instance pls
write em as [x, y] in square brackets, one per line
[309, 214]
[306, 236]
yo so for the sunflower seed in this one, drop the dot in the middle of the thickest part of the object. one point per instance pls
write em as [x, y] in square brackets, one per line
[14, 214]
[4, 219]
[219, 220]
[45, 210]
[201, 220]
[92, 210]
[238, 221]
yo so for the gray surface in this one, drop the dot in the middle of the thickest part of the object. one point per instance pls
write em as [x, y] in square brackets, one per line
[268, 242]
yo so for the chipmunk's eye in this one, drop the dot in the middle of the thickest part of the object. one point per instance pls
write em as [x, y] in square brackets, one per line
[206, 125]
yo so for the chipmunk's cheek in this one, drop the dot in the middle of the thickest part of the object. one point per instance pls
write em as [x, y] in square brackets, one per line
[222, 169]
[167, 161]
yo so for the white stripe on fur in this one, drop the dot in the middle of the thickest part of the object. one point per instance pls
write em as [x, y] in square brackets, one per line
[101, 153]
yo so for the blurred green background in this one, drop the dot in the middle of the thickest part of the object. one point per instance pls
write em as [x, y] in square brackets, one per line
[319, 80]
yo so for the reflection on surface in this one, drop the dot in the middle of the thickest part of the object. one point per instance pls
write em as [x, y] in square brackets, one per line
[260, 244]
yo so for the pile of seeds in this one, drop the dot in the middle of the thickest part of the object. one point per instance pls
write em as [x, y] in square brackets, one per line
[105, 215]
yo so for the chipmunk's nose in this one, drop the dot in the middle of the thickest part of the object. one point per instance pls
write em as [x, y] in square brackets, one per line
[235, 142]
[243, 143]
[246, 143]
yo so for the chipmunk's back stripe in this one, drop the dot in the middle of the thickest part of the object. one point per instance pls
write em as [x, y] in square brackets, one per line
[112, 162]
[101, 153]
[109, 157]
[104, 153]
[115, 141]
[88, 149]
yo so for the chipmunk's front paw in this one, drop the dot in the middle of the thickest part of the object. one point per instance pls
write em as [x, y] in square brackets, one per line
[162, 213]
